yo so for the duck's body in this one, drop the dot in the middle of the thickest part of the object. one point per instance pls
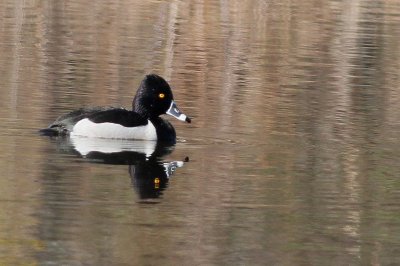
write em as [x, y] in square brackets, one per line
[111, 122]
[153, 98]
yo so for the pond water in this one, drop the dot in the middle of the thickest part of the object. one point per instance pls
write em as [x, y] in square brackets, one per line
[292, 156]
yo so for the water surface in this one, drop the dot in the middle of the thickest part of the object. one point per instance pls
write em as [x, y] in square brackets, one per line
[292, 158]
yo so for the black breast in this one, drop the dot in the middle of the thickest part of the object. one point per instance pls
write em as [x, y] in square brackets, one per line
[165, 131]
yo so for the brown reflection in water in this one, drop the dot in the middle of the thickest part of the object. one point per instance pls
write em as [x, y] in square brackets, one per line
[306, 89]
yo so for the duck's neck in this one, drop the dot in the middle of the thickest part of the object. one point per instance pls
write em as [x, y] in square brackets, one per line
[141, 111]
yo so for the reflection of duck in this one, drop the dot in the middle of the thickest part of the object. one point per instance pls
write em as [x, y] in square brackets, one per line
[153, 98]
[149, 174]
[119, 151]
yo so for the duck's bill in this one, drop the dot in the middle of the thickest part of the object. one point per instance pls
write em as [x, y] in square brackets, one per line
[175, 112]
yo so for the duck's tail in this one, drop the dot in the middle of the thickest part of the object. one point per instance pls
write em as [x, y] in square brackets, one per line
[53, 131]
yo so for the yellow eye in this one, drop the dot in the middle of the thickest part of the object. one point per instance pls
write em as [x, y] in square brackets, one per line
[161, 95]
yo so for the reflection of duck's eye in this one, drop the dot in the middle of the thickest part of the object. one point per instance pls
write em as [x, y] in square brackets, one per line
[161, 95]
[156, 182]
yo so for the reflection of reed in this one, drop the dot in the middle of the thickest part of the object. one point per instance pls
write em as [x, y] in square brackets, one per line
[169, 46]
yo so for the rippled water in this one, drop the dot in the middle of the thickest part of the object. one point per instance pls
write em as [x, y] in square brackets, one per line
[292, 158]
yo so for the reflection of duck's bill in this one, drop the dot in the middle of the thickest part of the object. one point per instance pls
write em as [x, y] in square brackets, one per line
[85, 145]
[171, 167]
[175, 112]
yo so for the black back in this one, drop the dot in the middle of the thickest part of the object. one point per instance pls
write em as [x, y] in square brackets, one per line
[118, 116]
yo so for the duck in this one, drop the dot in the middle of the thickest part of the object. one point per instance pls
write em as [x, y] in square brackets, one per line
[153, 98]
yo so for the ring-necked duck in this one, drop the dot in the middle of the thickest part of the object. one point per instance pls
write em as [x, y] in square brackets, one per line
[153, 98]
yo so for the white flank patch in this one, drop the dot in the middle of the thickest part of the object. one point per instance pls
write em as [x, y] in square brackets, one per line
[87, 128]
[86, 145]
